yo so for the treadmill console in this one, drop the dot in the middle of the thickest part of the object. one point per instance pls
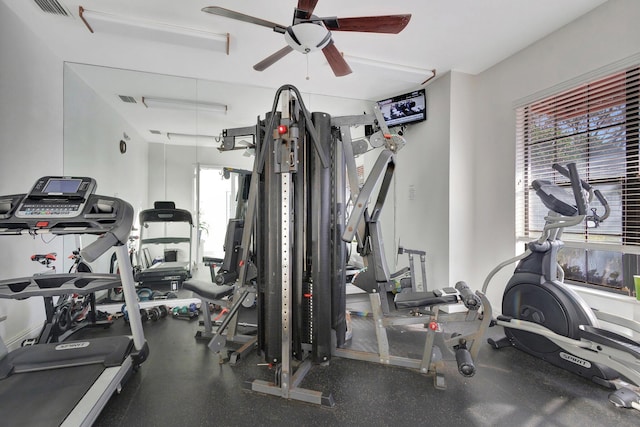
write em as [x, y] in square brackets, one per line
[56, 197]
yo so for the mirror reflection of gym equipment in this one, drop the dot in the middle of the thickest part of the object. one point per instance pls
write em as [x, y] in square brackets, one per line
[166, 234]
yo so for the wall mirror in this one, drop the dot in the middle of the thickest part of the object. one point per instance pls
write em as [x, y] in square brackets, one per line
[148, 137]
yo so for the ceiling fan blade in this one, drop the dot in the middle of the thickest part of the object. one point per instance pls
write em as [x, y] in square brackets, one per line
[307, 6]
[220, 11]
[271, 59]
[391, 24]
[336, 61]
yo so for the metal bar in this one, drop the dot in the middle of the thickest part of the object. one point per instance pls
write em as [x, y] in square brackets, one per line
[427, 353]
[412, 275]
[130, 296]
[285, 209]
[363, 119]
[352, 169]
[381, 332]
[423, 265]
[378, 172]
[219, 341]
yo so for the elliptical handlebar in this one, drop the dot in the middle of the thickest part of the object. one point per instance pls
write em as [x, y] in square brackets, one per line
[605, 204]
[571, 172]
[577, 190]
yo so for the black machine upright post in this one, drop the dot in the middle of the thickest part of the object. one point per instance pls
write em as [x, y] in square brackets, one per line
[294, 256]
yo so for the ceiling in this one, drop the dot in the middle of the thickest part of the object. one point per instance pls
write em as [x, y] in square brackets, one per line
[463, 35]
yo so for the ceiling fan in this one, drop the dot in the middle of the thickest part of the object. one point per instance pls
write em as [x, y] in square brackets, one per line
[309, 33]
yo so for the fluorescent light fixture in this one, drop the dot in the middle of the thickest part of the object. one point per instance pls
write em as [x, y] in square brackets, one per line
[188, 138]
[184, 104]
[155, 31]
[405, 72]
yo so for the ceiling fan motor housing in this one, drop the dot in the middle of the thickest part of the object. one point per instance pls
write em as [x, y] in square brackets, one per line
[307, 37]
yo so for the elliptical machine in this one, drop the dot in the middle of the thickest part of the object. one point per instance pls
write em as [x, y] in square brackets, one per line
[545, 318]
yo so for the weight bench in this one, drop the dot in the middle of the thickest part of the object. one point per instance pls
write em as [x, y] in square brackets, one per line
[210, 292]
[464, 342]
[207, 292]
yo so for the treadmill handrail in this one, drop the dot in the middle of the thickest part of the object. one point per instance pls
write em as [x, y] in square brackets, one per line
[165, 240]
[46, 285]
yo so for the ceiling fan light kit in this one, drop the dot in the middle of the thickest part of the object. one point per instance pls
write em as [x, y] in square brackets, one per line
[307, 37]
[309, 33]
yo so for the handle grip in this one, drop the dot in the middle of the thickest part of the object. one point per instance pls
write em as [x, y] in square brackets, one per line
[604, 203]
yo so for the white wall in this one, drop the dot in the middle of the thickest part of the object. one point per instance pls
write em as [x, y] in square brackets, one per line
[422, 186]
[461, 178]
[602, 37]
[31, 141]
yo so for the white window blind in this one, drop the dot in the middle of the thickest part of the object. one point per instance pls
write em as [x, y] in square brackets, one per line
[596, 126]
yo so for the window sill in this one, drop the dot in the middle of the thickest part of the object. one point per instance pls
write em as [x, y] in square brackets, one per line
[612, 296]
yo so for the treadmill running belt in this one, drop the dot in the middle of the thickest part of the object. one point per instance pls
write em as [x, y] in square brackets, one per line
[45, 398]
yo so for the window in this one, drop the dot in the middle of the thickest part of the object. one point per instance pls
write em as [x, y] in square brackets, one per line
[594, 125]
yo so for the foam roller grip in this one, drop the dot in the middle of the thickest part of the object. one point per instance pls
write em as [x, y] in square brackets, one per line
[465, 363]
[470, 300]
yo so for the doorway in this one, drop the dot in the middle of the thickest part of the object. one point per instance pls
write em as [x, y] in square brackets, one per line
[215, 205]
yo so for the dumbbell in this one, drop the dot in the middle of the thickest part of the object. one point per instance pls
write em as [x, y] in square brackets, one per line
[153, 313]
[163, 310]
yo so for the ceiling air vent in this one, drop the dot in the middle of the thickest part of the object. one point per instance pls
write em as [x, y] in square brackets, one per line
[128, 99]
[52, 6]
[155, 132]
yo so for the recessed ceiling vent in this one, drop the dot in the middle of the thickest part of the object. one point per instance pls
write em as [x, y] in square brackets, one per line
[52, 6]
[155, 132]
[128, 99]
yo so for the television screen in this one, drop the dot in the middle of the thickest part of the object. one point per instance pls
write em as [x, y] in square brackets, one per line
[404, 109]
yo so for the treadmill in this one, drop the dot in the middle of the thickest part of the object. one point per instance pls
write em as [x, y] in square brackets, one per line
[68, 383]
[176, 227]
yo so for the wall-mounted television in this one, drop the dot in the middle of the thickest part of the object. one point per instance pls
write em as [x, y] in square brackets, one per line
[404, 109]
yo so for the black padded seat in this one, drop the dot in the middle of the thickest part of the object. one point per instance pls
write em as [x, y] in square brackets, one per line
[206, 289]
[421, 299]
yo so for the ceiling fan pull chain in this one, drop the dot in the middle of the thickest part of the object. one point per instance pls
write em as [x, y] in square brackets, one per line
[307, 66]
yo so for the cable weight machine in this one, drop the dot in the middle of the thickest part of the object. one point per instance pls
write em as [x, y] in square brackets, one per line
[293, 249]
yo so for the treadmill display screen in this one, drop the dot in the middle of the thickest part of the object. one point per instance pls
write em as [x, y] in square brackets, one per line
[62, 186]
